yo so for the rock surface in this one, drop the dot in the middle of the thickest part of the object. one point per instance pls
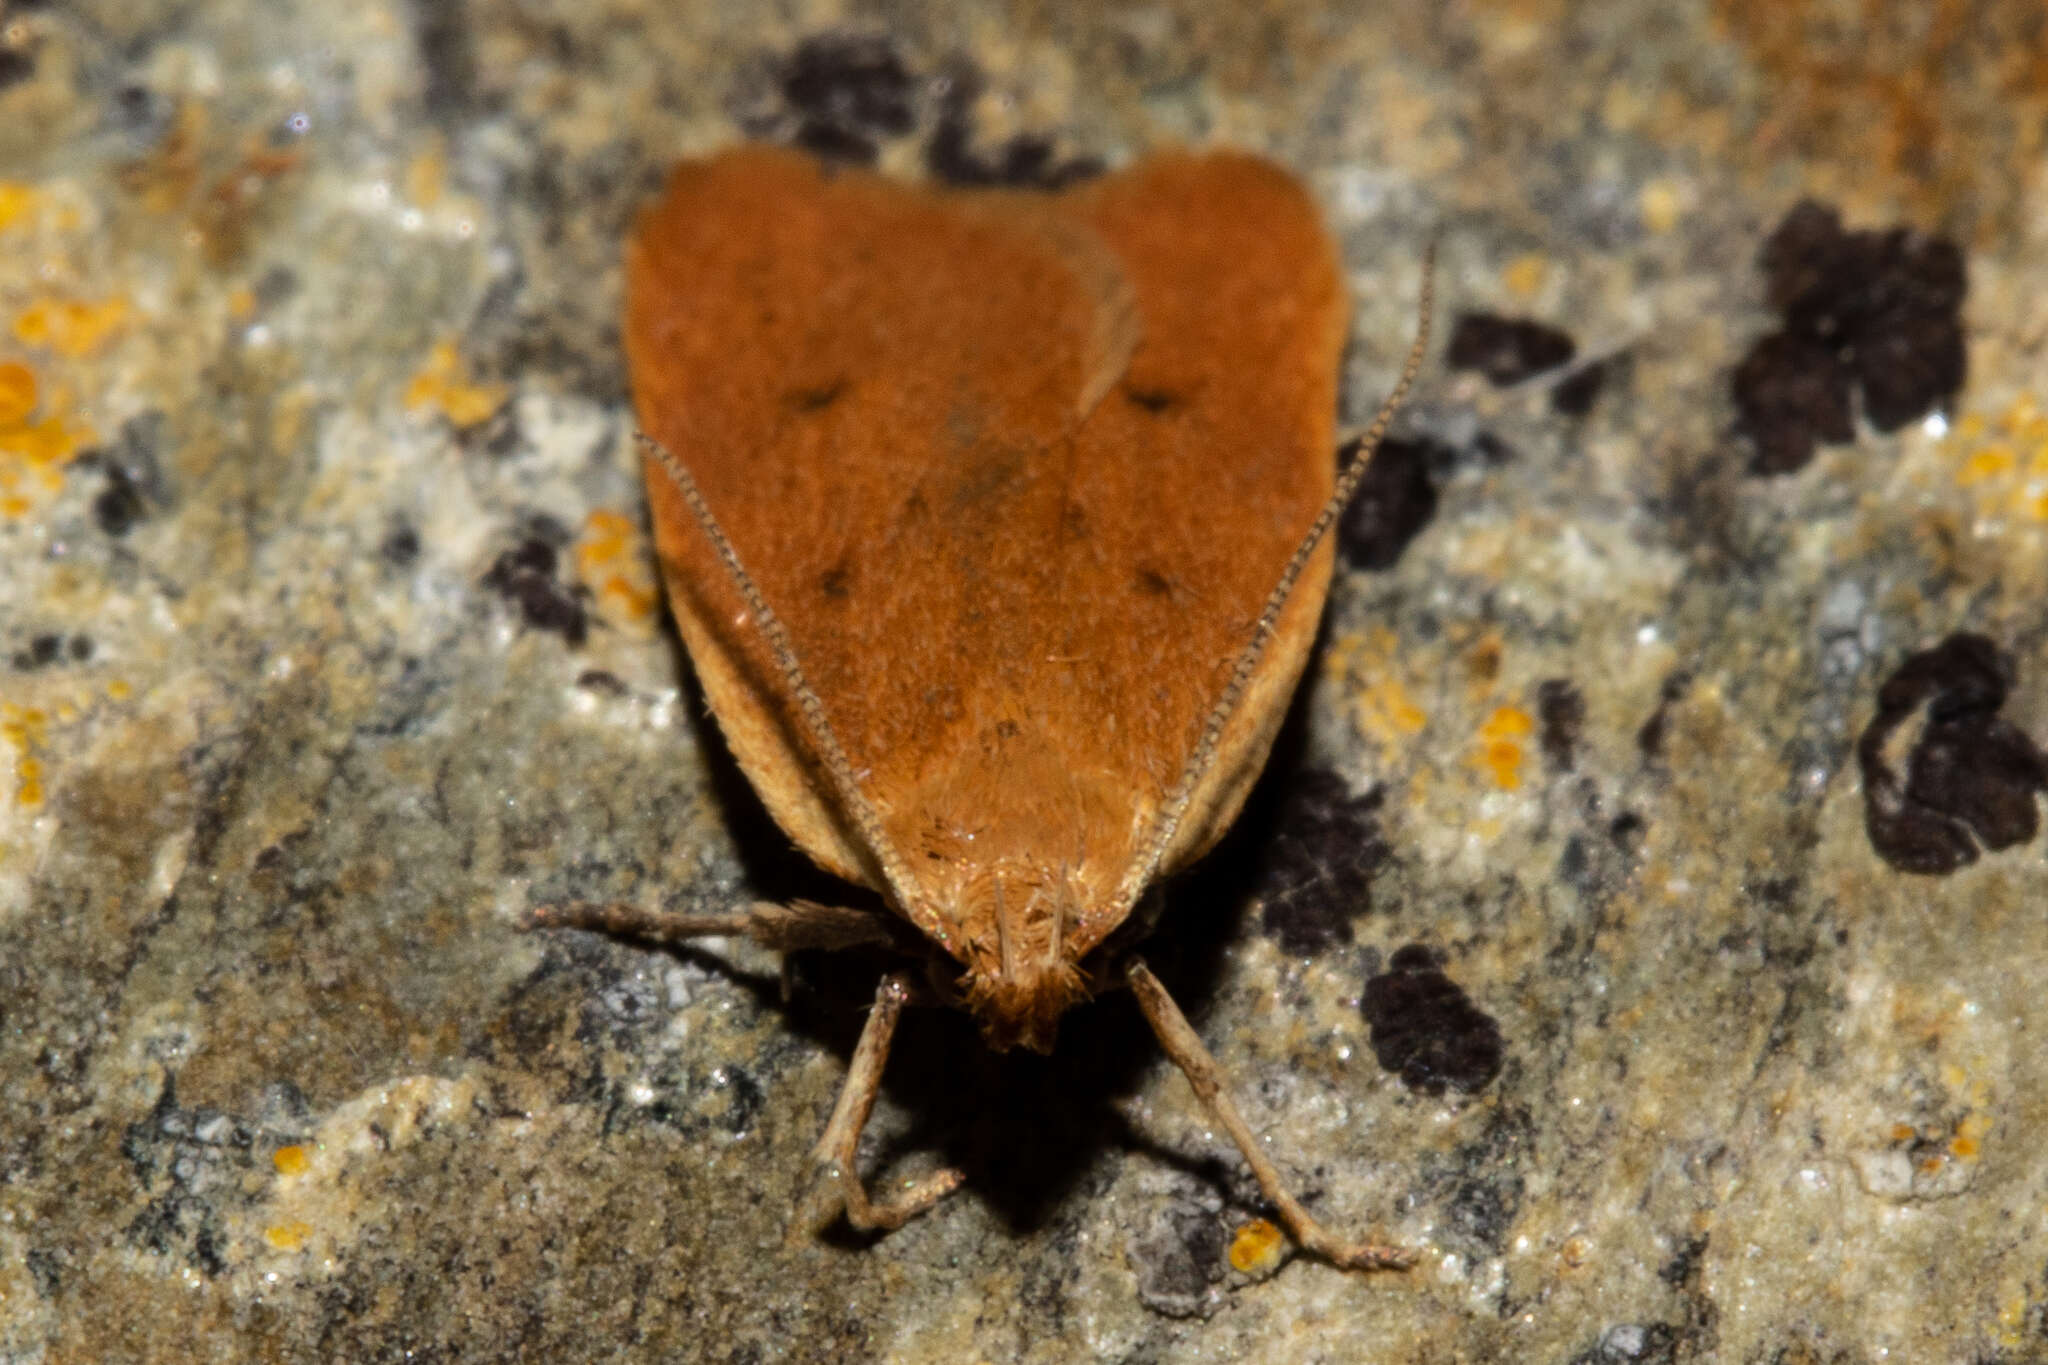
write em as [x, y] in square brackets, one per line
[329, 643]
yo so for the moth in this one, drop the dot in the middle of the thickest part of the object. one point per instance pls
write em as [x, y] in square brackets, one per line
[995, 524]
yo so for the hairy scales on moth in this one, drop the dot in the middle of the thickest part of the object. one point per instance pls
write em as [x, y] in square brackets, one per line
[995, 525]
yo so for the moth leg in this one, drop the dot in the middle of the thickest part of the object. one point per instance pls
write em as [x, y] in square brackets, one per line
[1194, 1061]
[838, 1188]
[797, 925]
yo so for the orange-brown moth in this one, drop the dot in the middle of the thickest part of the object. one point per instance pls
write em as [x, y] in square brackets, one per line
[994, 523]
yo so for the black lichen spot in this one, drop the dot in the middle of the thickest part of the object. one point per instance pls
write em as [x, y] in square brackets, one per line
[45, 1267]
[1154, 401]
[1650, 739]
[1969, 771]
[848, 90]
[743, 1098]
[1395, 499]
[80, 649]
[1506, 350]
[1315, 876]
[1561, 718]
[525, 576]
[440, 30]
[600, 681]
[1791, 394]
[1025, 161]
[1576, 393]
[1426, 1030]
[16, 66]
[117, 507]
[1879, 310]
[400, 547]
[134, 473]
[1626, 830]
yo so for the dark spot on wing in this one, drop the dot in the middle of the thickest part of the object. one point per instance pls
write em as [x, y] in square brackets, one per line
[814, 399]
[1969, 771]
[1426, 1030]
[1154, 401]
[1153, 583]
[837, 582]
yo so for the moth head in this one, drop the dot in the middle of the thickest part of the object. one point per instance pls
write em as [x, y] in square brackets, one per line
[1017, 922]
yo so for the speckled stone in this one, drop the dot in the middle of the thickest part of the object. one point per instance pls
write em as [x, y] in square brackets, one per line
[329, 643]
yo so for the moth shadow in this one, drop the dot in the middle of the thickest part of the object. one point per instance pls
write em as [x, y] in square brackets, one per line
[1027, 1130]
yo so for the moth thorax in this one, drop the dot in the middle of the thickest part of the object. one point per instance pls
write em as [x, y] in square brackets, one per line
[1018, 921]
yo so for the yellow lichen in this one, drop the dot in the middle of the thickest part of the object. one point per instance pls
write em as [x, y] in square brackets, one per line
[17, 393]
[290, 1160]
[288, 1236]
[23, 727]
[2004, 460]
[16, 199]
[1660, 205]
[1500, 751]
[1524, 275]
[70, 327]
[1256, 1248]
[613, 564]
[443, 383]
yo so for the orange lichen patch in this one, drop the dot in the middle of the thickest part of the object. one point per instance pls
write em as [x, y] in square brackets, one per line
[70, 327]
[23, 727]
[612, 560]
[1967, 1144]
[17, 393]
[1256, 1248]
[1904, 1132]
[16, 199]
[119, 690]
[1500, 752]
[443, 383]
[2004, 459]
[33, 451]
[290, 1160]
[288, 1236]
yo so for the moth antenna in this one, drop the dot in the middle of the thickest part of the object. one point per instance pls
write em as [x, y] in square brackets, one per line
[817, 728]
[1175, 808]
